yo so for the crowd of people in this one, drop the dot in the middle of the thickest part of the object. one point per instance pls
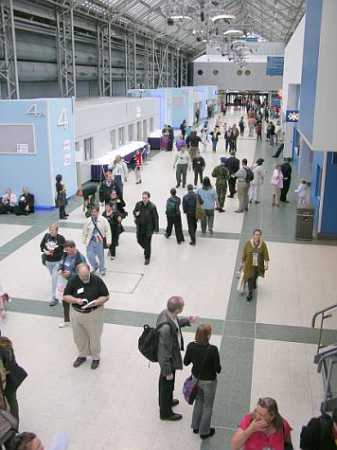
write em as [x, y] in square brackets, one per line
[77, 280]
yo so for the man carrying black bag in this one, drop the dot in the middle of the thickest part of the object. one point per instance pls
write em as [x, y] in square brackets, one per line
[170, 345]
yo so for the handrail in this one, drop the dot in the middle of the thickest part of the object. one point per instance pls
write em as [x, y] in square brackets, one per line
[318, 313]
[324, 316]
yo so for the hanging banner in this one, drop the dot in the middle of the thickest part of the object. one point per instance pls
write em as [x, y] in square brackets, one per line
[275, 66]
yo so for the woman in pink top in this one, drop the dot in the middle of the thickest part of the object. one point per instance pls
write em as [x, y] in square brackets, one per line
[263, 429]
[277, 184]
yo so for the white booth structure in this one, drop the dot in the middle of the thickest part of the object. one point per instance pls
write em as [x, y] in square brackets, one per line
[108, 126]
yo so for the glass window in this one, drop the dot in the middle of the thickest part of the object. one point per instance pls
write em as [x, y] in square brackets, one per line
[113, 139]
[131, 132]
[144, 130]
[200, 72]
[88, 149]
[139, 131]
[151, 124]
[121, 136]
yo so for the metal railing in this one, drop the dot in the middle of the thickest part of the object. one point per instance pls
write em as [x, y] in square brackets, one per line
[324, 316]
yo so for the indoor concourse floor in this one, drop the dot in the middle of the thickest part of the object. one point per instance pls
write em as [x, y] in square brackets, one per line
[266, 347]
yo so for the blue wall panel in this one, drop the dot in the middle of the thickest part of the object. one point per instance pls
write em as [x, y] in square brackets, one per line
[329, 213]
[21, 170]
[310, 67]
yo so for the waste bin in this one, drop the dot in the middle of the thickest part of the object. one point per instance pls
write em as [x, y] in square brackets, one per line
[304, 224]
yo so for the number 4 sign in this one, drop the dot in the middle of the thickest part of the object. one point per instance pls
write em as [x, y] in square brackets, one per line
[63, 119]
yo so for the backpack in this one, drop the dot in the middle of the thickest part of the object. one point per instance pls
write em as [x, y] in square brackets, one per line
[249, 175]
[171, 207]
[148, 341]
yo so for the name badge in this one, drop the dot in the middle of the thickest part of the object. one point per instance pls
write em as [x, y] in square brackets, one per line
[255, 259]
[80, 291]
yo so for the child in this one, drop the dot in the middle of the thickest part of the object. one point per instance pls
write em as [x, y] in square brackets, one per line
[302, 194]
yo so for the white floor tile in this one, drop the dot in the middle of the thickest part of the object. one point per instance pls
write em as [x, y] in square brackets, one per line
[9, 232]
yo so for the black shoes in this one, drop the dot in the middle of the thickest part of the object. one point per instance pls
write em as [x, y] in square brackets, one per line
[221, 210]
[147, 262]
[172, 417]
[94, 364]
[195, 431]
[79, 361]
[210, 434]
[175, 402]
[192, 243]
[249, 297]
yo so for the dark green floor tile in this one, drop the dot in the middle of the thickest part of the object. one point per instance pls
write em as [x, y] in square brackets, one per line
[239, 329]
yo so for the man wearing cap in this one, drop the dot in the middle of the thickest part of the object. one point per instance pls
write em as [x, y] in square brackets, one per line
[221, 173]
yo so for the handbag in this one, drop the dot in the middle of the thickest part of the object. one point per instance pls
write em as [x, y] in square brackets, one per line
[199, 210]
[43, 259]
[98, 231]
[191, 388]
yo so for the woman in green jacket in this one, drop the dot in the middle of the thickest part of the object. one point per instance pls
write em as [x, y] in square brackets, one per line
[255, 258]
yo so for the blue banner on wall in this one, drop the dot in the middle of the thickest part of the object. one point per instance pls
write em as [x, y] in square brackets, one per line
[275, 66]
[292, 115]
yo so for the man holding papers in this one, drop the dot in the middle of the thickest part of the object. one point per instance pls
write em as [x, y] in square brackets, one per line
[87, 294]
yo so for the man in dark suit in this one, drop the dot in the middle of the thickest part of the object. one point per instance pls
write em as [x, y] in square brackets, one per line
[233, 165]
[147, 221]
[286, 172]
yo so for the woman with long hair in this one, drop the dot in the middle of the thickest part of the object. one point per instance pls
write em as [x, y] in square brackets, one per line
[264, 428]
[206, 365]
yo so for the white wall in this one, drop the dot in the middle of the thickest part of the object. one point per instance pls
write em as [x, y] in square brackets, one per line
[293, 60]
[292, 75]
[259, 48]
[96, 118]
[227, 77]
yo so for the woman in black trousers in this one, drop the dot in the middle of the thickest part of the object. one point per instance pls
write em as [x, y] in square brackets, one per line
[61, 197]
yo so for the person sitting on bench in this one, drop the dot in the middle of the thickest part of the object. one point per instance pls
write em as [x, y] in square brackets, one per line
[8, 202]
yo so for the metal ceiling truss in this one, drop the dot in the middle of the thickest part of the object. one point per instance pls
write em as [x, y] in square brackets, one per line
[104, 38]
[66, 63]
[8, 59]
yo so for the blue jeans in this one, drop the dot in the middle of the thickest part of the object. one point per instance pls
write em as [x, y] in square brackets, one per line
[53, 266]
[95, 251]
[203, 406]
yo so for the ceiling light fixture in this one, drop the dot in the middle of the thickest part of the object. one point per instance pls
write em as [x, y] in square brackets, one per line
[226, 17]
[233, 32]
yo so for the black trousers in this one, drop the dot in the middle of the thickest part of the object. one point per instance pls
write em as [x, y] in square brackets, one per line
[178, 229]
[144, 240]
[192, 224]
[112, 249]
[66, 309]
[198, 173]
[231, 185]
[62, 212]
[166, 388]
[284, 191]
[252, 281]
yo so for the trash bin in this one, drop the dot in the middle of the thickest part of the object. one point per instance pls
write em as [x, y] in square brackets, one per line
[304, 224]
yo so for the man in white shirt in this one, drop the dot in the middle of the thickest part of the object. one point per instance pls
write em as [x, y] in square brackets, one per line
[96, 233]
[181, 164]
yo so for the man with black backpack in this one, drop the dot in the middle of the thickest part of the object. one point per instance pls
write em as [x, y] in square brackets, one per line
[174, 217]
[244, 177]
[170, 345]
[320, 433]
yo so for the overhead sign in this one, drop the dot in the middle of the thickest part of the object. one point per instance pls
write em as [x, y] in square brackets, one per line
[292, 115]
[275, 66]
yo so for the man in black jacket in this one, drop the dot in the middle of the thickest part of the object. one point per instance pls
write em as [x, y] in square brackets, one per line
[189, 208]
[286, 172]
[320, 433]
[233, 165]
[106, 187]
[147, 221]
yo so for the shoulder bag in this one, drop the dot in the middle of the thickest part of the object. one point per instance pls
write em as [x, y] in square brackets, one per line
[101, 235]
[199, 210]
[191, 388]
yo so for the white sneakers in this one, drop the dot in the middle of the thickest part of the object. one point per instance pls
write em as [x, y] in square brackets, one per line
[65, 324]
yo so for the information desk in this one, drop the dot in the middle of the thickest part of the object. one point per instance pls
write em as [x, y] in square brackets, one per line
[100, 165]
[154, 139]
